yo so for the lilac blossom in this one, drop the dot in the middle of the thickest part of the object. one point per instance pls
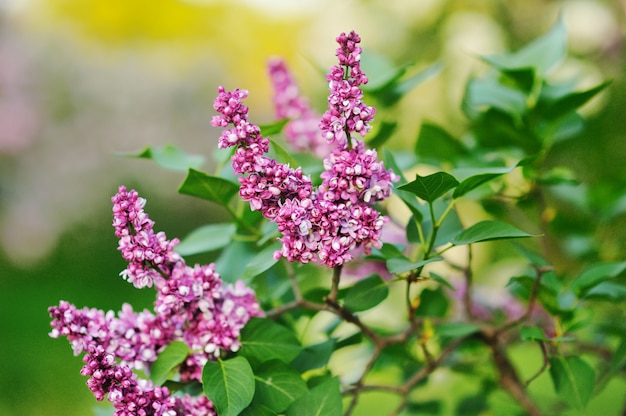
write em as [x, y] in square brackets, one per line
[192, 305]
[328, 223]
[302, 131]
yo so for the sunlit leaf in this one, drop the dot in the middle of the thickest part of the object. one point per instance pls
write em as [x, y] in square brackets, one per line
[366, 293]
[206, 238]
[277, 385]
[489, 230]
[172, 356]
[169, 157]
[610, 291]
[211, 188]
[488, 92]
[560, 106]
[596, 274]
[258, 410]
[229, 384]
[322, 400]
[573, 380]
[431, 187]
[263, 339]
[542, 54]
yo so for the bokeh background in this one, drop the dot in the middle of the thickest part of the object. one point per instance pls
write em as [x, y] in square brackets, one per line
[82, 81]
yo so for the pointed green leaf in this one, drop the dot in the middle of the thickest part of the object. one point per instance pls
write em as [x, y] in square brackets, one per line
[542, 54]
[596, 274]
[277, 385]
[399, 265]
[282, 155]
[619, 356]
[366, 294]
[172, 356]
[261, 262]
[169, 157]
[273, 128]
[437, 145]
[206, 238]
[483, 93]
[211, 188]
[263, 339]
[229, 384]
[440, 279]
[610, 291]
[474, 181]
[560, 106]
[573, 380]
[532, 333]
[431, 187]
[314, 356]
[322, 400]
[234, 259]
[488, 230]
[432, 303]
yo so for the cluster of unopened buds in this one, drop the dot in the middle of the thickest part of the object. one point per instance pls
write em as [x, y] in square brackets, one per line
[325, 224]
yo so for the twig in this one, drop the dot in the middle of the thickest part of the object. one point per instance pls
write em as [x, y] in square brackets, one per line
[544, 366]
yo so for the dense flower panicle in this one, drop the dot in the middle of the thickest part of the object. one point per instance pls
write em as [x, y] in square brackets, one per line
[346, 112]
[302, 131]
[149, 254]
[324, 224]
[192, 305]
[129, 395]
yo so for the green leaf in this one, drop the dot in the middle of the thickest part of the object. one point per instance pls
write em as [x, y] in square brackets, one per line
[282, 155]
[532, 333]
[234, 259]
[619, 356]
[487, 231]
[263, 339]
[431, 187]
[474, 181]
[168, 359]
[322, 400]
[456, 329]
[560, 106]
[277, 385]
[611, 291]
[542, 54]
[485, 93]
[440, 279]
[432, 303]
[229, 384]
[573, 380]
[206, 238]
[366, 293]
[384, 133]
[436, 145]
[168, 157]
[211, 188]
[261, 262]
[258, 410]
[314, 356]
[596, 274]
[401, 265]
[273, 128]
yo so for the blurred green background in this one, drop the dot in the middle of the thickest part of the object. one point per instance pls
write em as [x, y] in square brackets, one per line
[83, 80]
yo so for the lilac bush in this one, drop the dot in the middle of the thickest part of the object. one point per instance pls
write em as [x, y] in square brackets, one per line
[233, 337]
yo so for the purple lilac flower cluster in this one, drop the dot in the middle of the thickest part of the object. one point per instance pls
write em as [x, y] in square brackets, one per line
[132, 396]
[324, 224]
[302, 131]
[192, 305]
